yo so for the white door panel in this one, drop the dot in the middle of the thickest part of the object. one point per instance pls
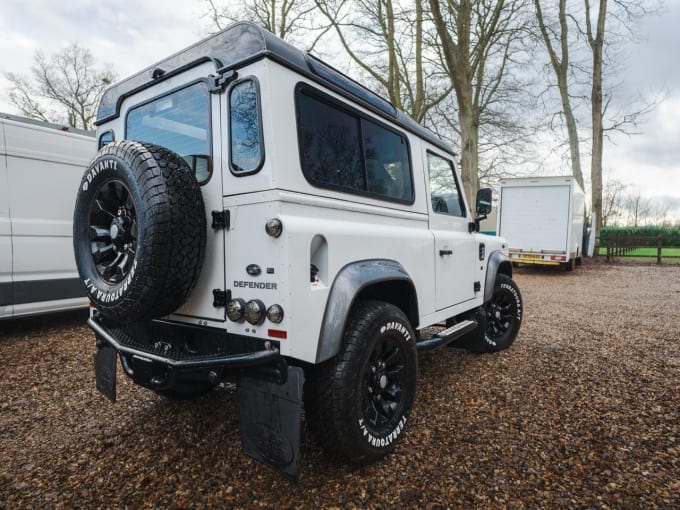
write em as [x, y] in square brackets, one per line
[43, 179]
[455, 251]
[5, 234]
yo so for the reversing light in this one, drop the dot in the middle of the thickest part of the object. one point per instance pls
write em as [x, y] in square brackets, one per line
[275, 314]
[273, 227]
[235, 309]
[254, 312]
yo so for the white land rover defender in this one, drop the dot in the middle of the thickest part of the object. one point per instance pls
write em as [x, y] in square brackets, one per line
[254, 214]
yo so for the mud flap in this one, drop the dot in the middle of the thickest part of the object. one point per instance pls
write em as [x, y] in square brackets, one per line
[105, 371]
[271, 421]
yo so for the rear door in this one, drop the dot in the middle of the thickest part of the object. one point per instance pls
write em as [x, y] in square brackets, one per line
[455, 252]
[186, 118]
[5, 234]
[535, 218]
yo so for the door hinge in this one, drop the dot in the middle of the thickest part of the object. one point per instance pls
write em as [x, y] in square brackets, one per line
[478, 286]
[221, 219]
[217, 84]
[221, 298]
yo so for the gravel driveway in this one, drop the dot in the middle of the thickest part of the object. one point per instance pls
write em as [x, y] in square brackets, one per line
[583, 411]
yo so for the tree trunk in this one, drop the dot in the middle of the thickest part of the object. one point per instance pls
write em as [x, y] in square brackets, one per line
[596, 44]
[560, 66]
[469, 158]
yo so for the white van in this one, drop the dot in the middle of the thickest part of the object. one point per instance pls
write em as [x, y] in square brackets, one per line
[542, 219]
[40, 167]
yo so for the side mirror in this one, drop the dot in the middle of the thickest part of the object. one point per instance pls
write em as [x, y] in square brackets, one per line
[483, 201]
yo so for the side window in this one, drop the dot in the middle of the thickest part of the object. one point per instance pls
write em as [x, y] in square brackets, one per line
[445, 194]
[330, 147]
[340, 149]
[387, 163]
[245, 128]
[179, 121]
[106, 138]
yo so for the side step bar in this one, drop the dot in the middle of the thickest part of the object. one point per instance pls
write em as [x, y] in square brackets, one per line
[447, 336]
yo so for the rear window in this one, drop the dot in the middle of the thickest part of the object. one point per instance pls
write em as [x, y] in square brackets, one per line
[179, 121]
[343, 150]
[245, 128]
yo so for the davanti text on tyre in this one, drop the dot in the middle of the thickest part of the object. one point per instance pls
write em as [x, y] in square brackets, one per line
[139, 231]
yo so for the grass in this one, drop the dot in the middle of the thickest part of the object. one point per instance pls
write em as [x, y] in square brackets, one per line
[646, 252]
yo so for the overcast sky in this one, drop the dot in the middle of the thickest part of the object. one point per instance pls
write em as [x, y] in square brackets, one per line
[132, 34]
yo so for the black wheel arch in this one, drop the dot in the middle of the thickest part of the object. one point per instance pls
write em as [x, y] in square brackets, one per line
[499, 262]
[374, 279]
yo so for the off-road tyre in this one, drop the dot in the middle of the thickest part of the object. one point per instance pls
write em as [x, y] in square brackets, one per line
[342, 411]
[501, 321]
[148, 264]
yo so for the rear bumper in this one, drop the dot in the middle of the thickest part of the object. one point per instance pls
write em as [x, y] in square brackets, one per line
[157, 357]
[239, 360]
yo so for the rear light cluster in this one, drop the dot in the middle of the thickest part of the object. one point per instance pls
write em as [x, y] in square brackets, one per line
[253, 311]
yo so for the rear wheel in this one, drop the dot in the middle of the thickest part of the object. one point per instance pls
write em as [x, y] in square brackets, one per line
[358, 403]
[569, 266]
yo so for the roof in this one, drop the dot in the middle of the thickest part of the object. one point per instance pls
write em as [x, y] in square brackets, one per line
[42, 123]
[240, 44]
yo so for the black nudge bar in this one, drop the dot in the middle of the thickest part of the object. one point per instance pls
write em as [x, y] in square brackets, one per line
[240, 360]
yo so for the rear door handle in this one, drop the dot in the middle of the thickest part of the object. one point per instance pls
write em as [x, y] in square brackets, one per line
[445, 252]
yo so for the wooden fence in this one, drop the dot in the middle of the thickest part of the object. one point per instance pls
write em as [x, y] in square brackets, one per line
[624, 245]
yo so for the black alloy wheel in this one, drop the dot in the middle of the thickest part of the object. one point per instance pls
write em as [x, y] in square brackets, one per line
[384, 384]
[113, 231]
[500, 312]
[359, 401]
[139, 231]
[504, 314]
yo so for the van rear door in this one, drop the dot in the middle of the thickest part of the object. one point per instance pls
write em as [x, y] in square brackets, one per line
[5, 233]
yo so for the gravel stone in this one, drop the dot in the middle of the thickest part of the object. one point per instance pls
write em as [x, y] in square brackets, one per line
[583, 411]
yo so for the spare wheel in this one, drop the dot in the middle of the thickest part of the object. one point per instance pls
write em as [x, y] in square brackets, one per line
[139, 231]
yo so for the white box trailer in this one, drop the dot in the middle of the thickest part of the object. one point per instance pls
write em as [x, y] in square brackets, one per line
[542, 218]
[41, 165]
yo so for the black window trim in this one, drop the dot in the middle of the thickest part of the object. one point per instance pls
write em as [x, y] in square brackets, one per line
[205, 82]
[459, 186]
[322, 96]
[253, 79]
[99, 139]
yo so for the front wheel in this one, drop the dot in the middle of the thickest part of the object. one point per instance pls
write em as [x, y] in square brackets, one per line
[503, 315]
[360, 400]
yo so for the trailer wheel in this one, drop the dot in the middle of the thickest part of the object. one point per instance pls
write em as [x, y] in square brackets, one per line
[139, 231]
[358, 402]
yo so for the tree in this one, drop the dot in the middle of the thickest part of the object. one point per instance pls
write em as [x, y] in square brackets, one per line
[291, 20]
[388, 42]
[639, 209]
[601, 28]
[478, 40]
[613, 198]
[561, 66]
[64, 88]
